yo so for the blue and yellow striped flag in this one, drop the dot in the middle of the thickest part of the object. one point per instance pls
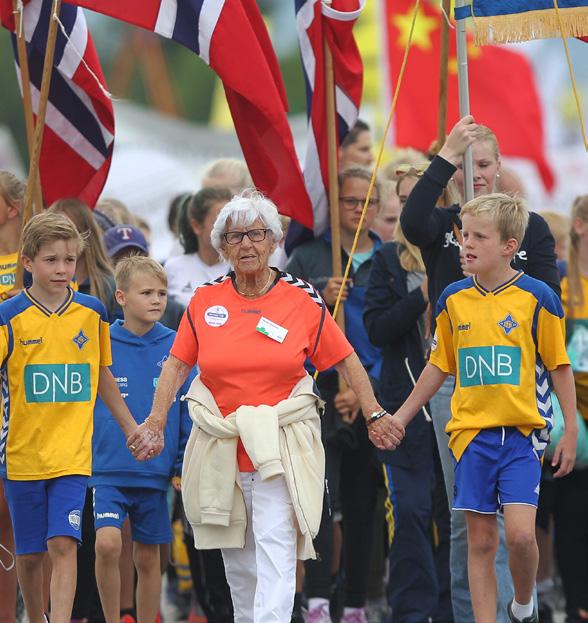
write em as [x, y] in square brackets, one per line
[502, 21]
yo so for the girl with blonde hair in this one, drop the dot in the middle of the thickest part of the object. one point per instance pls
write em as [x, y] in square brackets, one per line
[93, 270]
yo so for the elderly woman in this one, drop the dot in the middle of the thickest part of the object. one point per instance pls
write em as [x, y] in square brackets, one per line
[254, 465]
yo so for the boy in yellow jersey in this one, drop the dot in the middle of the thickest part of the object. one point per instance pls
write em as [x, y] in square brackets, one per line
[501, 333]
[55, 353]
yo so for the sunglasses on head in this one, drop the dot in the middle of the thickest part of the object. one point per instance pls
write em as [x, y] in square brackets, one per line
[415, 169]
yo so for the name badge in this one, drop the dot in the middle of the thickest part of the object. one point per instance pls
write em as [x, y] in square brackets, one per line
[272, 330]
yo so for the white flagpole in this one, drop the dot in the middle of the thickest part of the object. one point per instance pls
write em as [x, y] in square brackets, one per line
[464, 97]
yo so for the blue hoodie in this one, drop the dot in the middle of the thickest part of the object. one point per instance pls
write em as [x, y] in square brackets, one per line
[137, 362]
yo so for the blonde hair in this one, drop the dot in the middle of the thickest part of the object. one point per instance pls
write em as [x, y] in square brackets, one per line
[128, 268]
[559, 224]
[363, 174]
[401, 156]
[509, 214]
[12, 189]
[409, 254]
[575, 293]
[116, 211]
[485, 134]
[97, 263]
[232, 168]
[48, 227]
[449, 195]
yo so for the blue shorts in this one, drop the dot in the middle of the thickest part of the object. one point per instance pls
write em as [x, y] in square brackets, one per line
[500, 466]
[43, 509]
[147, 510]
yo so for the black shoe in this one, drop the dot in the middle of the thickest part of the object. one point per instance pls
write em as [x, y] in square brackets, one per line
[545, 613]
[530, 619]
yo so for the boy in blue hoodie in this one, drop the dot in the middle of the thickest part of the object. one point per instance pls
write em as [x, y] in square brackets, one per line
[121, 485]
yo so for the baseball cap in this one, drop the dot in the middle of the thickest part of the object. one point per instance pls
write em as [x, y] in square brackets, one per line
[123, 236]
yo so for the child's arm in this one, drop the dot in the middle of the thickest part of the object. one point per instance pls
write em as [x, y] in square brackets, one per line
[565, 390]
[426, 387]
[110, 394]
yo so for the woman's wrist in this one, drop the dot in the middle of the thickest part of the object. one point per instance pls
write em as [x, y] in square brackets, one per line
[374, 416]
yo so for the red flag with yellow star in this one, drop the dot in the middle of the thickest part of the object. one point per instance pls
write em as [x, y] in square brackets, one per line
[502, 87]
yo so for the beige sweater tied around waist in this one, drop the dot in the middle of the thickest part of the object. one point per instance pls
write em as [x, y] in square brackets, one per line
[281, 440]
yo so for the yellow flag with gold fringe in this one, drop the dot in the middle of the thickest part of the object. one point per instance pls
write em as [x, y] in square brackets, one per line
[497, 21]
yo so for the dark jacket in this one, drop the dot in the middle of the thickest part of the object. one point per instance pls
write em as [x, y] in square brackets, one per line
[391, 318]
[312, 262]
[432, 229]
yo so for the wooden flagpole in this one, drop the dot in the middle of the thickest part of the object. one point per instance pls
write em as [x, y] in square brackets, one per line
[23, 63]
[40, 125]
[333, 172]
[333, 181]
[443, 72]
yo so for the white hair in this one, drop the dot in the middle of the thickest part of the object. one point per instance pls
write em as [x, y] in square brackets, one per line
[243, 210]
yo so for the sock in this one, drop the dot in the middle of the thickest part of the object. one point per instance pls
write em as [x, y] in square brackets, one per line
[521, 611]
[347, 610]
[316, 602]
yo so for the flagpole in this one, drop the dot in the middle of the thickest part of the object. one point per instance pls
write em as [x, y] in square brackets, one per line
[443, 72]
[464, 96]
[333, 173]
[23, 63]
[40, 125]
[333, 183]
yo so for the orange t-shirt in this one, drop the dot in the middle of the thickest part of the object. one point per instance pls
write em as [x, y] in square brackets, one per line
[240, 365]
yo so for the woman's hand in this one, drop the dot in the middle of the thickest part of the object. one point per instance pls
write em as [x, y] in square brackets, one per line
[460, 138]
[386, 433]
[331, 290]
[146, 442]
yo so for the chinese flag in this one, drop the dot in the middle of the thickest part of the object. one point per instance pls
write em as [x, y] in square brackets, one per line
[502, 87]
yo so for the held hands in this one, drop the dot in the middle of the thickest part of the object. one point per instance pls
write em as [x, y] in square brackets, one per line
[386, 433]
[347, 404]
[459, 139]
[146, 442]
[331, 290]
[565, 453]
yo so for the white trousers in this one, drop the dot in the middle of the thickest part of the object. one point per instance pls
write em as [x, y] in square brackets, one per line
[262, 575]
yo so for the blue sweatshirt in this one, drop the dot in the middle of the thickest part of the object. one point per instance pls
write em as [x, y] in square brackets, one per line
[137, 362]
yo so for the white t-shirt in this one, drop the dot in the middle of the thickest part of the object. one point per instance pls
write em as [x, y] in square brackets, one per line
[186, 272]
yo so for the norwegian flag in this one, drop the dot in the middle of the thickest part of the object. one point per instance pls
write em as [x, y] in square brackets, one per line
[79, 127]
[315, 21]
[231, 37]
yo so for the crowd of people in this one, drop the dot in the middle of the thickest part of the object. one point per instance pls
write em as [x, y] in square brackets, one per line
[394, 469]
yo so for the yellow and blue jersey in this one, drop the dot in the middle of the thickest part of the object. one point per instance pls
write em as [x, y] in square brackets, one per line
[7, 273]
[49, 375]
[500, 346]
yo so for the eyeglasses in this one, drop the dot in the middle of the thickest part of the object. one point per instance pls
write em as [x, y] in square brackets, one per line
[415, 169]
[236, 237]
[350, 203]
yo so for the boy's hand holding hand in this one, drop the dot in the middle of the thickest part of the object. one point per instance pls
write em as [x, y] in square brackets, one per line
[565, 452]
[147, 441]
